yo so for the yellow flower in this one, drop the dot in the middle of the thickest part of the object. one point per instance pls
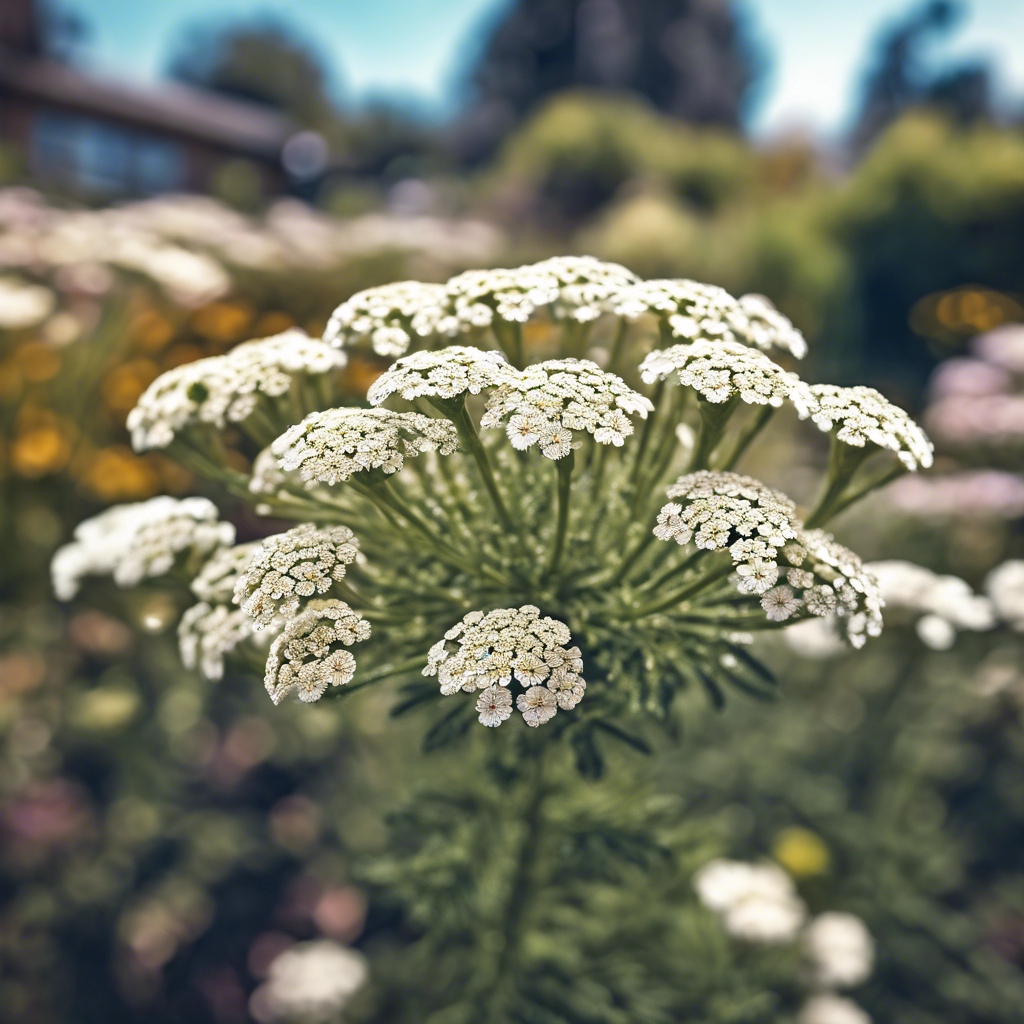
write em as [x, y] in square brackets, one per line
[801, 852]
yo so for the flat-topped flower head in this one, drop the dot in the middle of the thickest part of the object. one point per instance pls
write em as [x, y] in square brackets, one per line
[140, 541]
[445, 373]
[215, 582]
[207, 633]
[863, 416]
[486, 651]
[717, 510]
[826, 579]
[304, 562]
[549, 400]
[720, 370]
[572, 288]
[392, 317]
[225, 389]
[692, 311]
[330, 446]
[310, 654]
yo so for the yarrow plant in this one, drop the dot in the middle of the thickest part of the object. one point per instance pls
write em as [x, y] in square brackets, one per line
[552, 527]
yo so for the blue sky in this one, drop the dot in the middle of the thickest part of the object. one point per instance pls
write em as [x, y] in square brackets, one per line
[411, 48]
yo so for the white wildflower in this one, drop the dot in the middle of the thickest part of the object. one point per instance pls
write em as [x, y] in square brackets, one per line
[207, 633]
[329, 446]
[494, 705]
[301, 563]
[718, 371]
[864, 416]
[779, 603]
[718, 509]
[485, 652]
[215, 582]
[548, 400]
[391, 317]
[310, 982]
[574, 288]
[538, 705]
[1005, 586]
[444, 374]
[23, 305]
[831, 1009]
[225, 389]
[139, 541]
[757, 902]
[692, 311]
[840, 950]
[844, 586]
[306, 656]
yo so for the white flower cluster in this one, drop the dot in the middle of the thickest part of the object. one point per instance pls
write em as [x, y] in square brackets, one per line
[303, 562]
[447, 373]
[548, 400]
[1005, 586]
[718, 510]
[756, 902]
[827, 579]
[483, 652]
[138, 541]
[839, 950]
[694, 311]
[574, 288]
[390, 316]
[945, 604]
[226, 389]
[22, 304]
[720, 370]
[306, 656]
[310, 982]
[207, 633]
[865, 416]
[759, 903]
[215, 581]
[827, 1008]
[329, 446]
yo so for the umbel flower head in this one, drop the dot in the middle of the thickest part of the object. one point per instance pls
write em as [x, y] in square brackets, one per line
[546, 402]
[389, 317]
[226, 389]
[718, 371]
[693, 311]
[139, 541]
[215, 582]
[209, 632]
[863, 416]
[826, 579]
[485, 651]
[718, 510]
[445, 374]
[576, 288]
[303, 562]
[311, 652]
[329, 447]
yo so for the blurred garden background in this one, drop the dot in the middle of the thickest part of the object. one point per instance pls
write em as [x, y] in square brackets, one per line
[176, 180]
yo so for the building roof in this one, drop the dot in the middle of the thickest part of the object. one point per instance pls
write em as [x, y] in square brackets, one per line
[170, 106]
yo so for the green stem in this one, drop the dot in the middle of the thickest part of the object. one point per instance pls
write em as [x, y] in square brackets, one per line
[854, 496]
[746, 438]
[681, 595]
[677, 570]
[565, 467]
[843, 462]
[471, 440]
[618, 344]
[713, 418]
[647, 431]
[511, 927]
